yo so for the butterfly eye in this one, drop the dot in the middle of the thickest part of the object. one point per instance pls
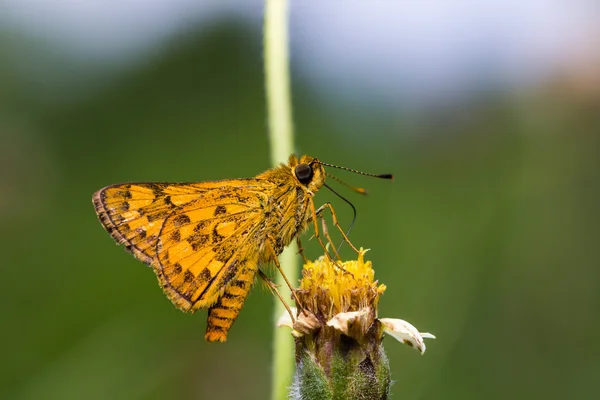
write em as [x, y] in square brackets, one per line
[304, 173]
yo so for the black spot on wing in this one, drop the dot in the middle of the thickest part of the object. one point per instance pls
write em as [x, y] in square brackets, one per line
[200, 226]
[177, 268]
[197, 241]
[216, 237]
[158, 215]
[205, 275]
[176, 235]
[219, 210]
[181, 220]
[125, 194]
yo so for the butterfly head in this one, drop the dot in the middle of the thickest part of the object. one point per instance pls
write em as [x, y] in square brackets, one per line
[308, 171]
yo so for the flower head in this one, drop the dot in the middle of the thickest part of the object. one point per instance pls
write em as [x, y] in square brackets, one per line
[338, 335]
[329, 288]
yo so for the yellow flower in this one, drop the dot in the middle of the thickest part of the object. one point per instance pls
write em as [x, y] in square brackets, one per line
[344, 296]
[339, 351]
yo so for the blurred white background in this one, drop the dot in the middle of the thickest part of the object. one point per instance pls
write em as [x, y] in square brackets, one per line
[416, 51]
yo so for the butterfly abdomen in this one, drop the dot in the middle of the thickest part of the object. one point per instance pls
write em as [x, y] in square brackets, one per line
[224, 312]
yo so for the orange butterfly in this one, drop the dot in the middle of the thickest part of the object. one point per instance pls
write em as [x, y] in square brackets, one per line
[206, 241]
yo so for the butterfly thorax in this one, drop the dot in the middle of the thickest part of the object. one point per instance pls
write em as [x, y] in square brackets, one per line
[289, 205]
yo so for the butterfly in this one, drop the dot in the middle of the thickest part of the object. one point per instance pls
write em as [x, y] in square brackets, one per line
[206, 241]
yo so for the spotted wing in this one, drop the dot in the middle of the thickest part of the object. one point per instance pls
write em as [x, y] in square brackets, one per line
[199, 238]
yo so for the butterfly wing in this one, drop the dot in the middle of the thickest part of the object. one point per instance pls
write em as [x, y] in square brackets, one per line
[134, 213]
[200, 238]
[204, 248]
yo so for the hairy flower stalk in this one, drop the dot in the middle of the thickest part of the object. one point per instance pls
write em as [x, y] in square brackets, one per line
[339, 350]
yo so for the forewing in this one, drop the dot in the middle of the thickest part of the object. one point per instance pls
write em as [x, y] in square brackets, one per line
[134, 213]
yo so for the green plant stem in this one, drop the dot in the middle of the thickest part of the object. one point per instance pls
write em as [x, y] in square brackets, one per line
[281, 137]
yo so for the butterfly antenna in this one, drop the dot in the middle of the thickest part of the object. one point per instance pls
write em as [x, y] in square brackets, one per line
[353, 210]
[358, 190]
[382, 176]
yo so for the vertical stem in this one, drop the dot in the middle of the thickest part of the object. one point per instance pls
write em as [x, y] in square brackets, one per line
[279, 110]
[277, 80]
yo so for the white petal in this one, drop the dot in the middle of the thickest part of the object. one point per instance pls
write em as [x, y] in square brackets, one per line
[286, 319]
[342, 320]
[406, 333]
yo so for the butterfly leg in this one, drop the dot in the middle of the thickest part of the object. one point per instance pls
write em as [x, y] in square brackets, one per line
[330, 242]
[328, 239]
[316, 227]
[270, 245]
[301, 249]
[335, 222]
[326, 233]
[273, 288]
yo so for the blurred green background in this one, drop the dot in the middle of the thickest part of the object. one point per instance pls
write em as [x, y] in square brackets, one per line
[488, 237]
